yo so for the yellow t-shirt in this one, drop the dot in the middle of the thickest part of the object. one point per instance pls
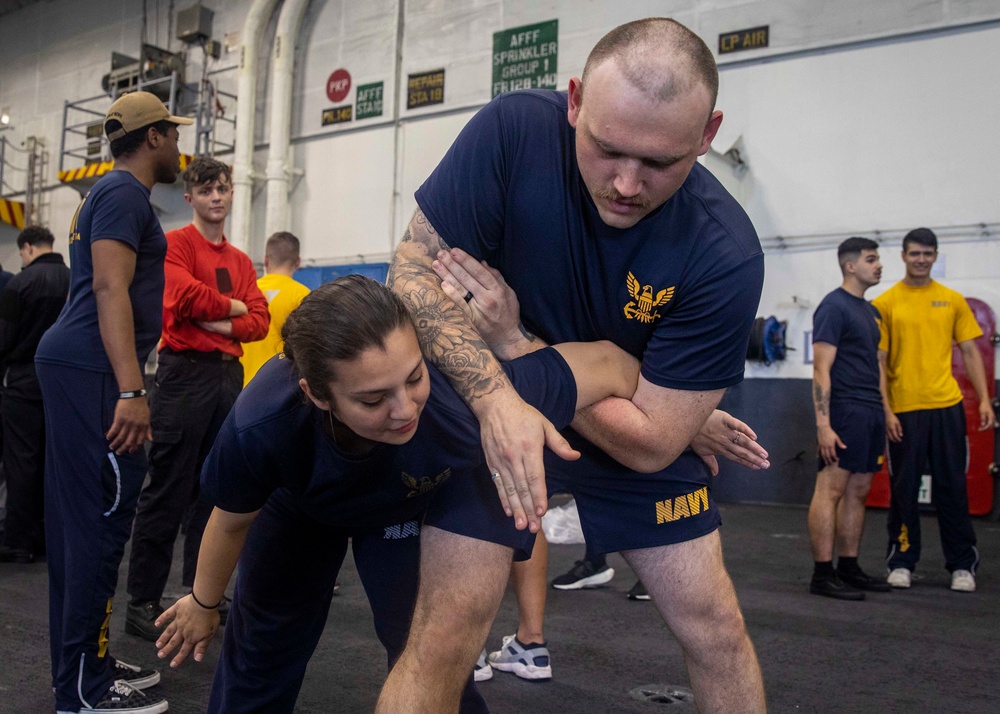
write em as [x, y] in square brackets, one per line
[919, 325]
[283, 295]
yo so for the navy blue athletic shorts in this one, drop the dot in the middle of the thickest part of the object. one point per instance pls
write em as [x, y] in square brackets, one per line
[862, 428]
[468, 504]
[621, 509]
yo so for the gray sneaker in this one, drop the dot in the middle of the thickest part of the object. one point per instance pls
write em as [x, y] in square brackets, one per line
[526, 661]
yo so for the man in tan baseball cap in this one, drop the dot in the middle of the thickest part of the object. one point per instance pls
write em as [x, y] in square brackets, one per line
[96, 351]
[136, 110]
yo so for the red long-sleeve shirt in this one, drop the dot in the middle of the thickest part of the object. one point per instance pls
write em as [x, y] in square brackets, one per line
[201, 278]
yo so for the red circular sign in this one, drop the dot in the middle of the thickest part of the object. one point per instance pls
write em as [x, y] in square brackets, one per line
[338, 85]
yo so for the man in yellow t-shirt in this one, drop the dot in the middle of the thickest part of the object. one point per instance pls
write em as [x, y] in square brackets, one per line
[281, 260]
[924, 416]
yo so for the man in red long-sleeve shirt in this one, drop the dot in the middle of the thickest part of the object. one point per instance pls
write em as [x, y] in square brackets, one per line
[211, 303]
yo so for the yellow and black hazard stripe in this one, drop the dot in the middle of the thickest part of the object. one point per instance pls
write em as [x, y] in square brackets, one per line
[12, 213]
[96, 170]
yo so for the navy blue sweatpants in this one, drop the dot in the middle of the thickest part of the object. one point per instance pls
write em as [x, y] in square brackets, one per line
[90, 498]
[287, 571]
[937, 437]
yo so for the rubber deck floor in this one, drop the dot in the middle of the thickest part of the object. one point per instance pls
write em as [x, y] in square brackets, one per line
[926, 649]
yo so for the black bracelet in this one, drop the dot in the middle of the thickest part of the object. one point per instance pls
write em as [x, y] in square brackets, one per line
[213, 607]
[133, 394]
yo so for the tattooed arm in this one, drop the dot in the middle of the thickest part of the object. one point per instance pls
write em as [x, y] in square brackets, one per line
[823, 356]
[513, 433]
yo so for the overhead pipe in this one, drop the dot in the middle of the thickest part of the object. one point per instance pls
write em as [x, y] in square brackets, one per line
[282, 75]
[246, 109]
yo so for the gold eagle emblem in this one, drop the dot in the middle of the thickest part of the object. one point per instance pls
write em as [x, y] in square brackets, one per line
[424, 484]
[643, 305]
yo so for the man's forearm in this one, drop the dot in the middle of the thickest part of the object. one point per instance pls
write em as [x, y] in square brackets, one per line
[641, 441]
[448, 339]
[821, 397]
[975, 369]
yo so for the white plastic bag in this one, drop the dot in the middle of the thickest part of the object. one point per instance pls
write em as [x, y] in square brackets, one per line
[562, 524]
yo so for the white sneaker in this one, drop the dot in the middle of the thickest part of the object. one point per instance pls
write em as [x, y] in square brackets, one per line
[482, 671]
[900, 578]
[531, 662]
[963, 581]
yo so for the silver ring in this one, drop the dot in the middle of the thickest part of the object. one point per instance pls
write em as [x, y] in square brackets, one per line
[468, 296]
[496, 475]
[737, 439]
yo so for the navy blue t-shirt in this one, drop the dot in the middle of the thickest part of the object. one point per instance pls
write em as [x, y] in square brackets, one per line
[679, 290]
[274, 444]
[116, 208]
[851, 324]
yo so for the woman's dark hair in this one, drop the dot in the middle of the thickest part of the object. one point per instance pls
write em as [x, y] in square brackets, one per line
[338, 321]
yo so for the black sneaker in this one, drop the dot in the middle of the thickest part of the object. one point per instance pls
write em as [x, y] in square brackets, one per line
[638, 592]
[832, 586]
[135, 676]
[863, 581]
[16, 555]
[583, 575]
[121, 698]
[140, 619]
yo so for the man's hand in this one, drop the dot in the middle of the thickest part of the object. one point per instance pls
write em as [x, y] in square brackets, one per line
[828, 443]
[893, 429]
[491, 307]
[130, 427]
[190, 627]
[987, 419]
[513, 434]
[725, 435]
[220, 327]
[237, 308]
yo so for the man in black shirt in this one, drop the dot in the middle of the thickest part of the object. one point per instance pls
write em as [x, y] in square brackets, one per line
[29, 305]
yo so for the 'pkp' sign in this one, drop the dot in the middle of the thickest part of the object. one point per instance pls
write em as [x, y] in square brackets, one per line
[338, 85]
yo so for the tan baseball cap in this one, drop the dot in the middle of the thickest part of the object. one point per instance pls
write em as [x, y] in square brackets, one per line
[136, 110]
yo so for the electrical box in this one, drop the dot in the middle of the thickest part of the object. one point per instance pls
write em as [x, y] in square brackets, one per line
[194, 24]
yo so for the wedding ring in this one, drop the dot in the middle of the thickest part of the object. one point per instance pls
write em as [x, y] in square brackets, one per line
[468, 296]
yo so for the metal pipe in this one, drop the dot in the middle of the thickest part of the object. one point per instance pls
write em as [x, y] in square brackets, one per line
[246, 108]
[282, 75]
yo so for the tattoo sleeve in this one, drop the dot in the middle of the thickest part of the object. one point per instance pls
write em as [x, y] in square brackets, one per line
[447, 338]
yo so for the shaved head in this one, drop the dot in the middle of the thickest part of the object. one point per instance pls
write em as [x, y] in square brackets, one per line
[658, 56]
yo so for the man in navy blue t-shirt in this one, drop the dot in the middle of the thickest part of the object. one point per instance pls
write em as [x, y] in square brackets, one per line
[594, 209]
[850, 423]
[89, 363]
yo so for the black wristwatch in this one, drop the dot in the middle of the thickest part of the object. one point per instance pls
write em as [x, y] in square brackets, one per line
[133, 394]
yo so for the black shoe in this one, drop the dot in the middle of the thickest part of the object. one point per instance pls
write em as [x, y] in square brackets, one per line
[122, 698]
[16, 555]
[638, 592]
[583, 575]
[135, 676]
[140, 619]
[832, 586]
[863, 581]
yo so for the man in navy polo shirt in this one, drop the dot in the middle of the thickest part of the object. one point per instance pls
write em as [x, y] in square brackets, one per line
[89, 368]
[850, 424]
[593, 208]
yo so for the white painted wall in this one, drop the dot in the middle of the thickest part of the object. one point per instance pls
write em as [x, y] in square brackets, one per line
[883, 135]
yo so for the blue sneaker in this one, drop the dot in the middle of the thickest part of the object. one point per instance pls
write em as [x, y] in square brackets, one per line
[526, 661]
